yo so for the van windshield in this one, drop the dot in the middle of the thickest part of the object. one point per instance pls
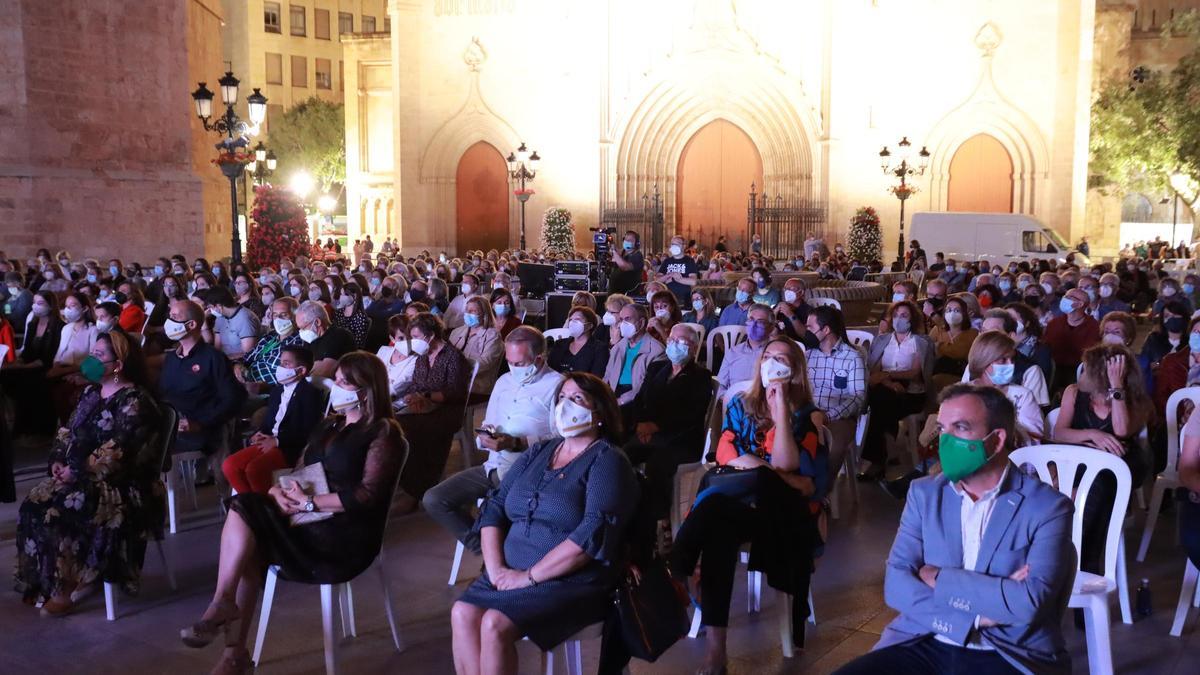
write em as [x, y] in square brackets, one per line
[1036, 241]
[1057, 239]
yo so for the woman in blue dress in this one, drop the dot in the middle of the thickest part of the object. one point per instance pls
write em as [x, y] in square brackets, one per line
[552, 536]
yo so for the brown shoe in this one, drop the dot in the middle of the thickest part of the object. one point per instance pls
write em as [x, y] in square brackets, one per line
[57, 606]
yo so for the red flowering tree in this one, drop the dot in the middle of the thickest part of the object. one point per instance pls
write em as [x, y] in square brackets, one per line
[279, 228]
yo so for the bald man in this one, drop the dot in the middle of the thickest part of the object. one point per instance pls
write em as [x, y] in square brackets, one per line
[1068, 335]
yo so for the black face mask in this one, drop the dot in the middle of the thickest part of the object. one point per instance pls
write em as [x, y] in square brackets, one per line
[416, 295]
[1174, 324]
[1033, 300]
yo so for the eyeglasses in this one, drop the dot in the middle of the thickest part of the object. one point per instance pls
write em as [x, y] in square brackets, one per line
[761, 322]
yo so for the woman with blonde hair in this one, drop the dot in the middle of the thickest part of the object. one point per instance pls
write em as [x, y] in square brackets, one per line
[990, 363]
[361, 449]
[479, 341]
[609, 329]
[791, 482]
[1106, 409]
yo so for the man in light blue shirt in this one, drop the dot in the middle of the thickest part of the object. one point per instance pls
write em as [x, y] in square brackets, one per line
[734, 314]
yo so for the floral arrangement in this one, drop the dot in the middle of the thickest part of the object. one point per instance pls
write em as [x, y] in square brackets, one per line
[234, 157]
[279, 227]
[558, 232]
[526, 193]
[903, 192]
[866, 239]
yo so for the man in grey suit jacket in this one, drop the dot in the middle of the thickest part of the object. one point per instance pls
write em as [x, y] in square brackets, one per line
[982, 565]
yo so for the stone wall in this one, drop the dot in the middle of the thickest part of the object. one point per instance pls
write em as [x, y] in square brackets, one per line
[95, 149]
[206, 63]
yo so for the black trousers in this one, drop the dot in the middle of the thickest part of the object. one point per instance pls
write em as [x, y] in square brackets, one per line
[887, 409]
[661, 462]
[1098, 510]
[712, 535]
[927, 656]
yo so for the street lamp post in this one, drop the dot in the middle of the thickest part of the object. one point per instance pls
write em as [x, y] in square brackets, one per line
[231, 157]
[902, 171]
[262, 166]
[523, 166]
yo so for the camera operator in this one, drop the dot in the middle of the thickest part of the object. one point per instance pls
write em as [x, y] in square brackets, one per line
[628, 261]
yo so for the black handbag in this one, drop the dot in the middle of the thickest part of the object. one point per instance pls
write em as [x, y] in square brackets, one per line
[652, 611]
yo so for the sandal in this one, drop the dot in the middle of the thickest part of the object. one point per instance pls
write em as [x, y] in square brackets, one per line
[237, 664]
[204, 631]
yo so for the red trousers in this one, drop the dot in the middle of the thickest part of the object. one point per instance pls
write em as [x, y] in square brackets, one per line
[250, 469]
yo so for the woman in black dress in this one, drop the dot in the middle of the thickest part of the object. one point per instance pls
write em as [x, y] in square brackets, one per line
[351, 314]
[583, 351]
[551, 535]
[362, 450]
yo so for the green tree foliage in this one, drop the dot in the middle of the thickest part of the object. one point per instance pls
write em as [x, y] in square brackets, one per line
[311, 136]
[1146, 128]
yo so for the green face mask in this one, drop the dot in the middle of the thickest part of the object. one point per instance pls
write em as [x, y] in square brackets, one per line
[92, 369]
[961, 457]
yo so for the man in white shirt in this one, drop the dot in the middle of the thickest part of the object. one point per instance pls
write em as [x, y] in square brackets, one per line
[982, 565]
[520, 414]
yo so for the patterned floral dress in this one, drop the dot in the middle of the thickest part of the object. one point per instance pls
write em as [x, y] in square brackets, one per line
[95, 527]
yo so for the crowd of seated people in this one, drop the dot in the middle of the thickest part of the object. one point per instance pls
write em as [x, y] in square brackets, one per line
[978, 355]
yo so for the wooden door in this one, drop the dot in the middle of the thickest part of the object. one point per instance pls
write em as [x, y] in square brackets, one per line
[481, 199]
[716, 169]
[981, 177]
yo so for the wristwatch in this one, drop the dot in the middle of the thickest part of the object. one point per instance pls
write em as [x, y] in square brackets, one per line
[310, 505]
[1116, 394]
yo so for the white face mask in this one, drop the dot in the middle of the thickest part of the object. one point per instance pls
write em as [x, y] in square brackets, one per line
[103, 325]
[174, 330]
[284, 375]
[571, 419]
[575, 327]
[419, 346]
[662, 313]
[628, 330]
[308, 335]
[789, 296]
[402, 347]
[467, 289]
[343, 400]
[610, 319]
[676, 250]
[774, 371]
[1106, 291]
[72, 314]
[954, 318]
[1112, 339]
[523, 373]
[283, 326]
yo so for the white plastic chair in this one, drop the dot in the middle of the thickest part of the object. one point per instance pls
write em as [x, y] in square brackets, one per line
[736, 388]
[826, 302]
[688, 476]
[345, 600]
[148, 308]
[850, 465]
[3, 354]
[466, 435]
[1189, 596]
[1090, 592]
[700, 332]
[459, 550]
[170, 420]
[1169, 478]
[557, 334]
[730, 336]
[573, 651]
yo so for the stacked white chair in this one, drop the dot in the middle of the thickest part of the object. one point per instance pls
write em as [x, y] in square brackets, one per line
[557, 334]
[1090, 591]
[1169, 478]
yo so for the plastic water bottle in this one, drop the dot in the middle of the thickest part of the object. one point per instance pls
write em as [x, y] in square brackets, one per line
[1145, 604]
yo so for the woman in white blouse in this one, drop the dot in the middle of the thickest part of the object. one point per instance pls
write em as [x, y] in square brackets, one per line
[480, 342]
[990, 363]
[397, 358]
[78, 336]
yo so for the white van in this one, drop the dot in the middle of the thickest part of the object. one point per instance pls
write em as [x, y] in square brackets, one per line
[995, 237]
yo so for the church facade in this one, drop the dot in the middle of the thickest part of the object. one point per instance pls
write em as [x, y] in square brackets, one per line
[693, 102]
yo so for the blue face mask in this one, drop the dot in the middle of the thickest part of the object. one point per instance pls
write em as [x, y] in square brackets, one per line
[741, 296]
[677, 352]
[1194, 342]
[1189, 288]
[1006, 286]
[1091, 293]
[1002, 373]
[950, 269]
[502, 310]
[627, 245]
[1066, 306]
[697, 305]
[471, 320]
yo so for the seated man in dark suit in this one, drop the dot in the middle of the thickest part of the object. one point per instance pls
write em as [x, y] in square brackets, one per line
[294, 408]
[197, 381]
[982, 565]
[669, 414]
